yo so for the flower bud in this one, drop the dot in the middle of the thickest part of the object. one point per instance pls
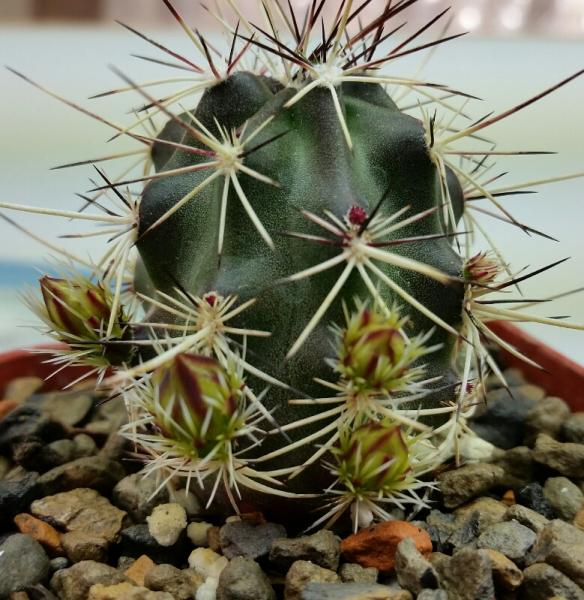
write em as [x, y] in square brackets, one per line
[79, 311]
[481, 268]
[373, 458]
[197, 403]
[373, 354]
[76, 309]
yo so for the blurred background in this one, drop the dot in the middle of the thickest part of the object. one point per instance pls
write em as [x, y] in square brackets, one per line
[516, 49]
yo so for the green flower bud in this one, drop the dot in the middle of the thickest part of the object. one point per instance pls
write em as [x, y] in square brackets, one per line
[197, 403]
[374, 458]
[373, 353]
[79, 312]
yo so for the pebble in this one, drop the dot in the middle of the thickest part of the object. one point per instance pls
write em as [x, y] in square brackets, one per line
[461, 485]
[139, 569]
[573, 430]
[303, 572]
[432, 595]
[59, 452]
[466, 531]
[414, 571]
[74, 583]
[322, 548]
[565, 457]
[23, 562]
[166, 523]
[542, 582]
[4, 466]
[84, 445]
[94, 472]
[15, 494]
[124, 591]
[80, 545]
[82, 510]
[107, 417]
[561, 545]
[507, 576]
[467, 576]
[489, 511]
[206, 563]
[6, 407]
[518, 465]
[187, 500]
[180, 584]
[197, 532]
[67, 409]
[503, 422]
[526, 516]
[352, 591]
[42, 532]
[579, 519]
[509, 538]
[21, 388]
[136, 540]
[354, 573]
[213, 538]
[533, 497]
[547, 416]
[26, 423]
[564, 496]
[135, 495]
[376, 546]
[58, 563]
[240, 538]
[243, 579]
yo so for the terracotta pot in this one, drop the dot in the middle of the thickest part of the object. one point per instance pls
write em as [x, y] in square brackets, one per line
[30, 363]
[562, 376]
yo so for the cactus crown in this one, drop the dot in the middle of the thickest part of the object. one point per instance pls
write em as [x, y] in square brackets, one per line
[282, 183]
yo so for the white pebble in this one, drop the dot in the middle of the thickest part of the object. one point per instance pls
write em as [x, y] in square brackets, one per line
[197, 533]
[206, 562]
[187, 500]
[208, 591]
[166, 523]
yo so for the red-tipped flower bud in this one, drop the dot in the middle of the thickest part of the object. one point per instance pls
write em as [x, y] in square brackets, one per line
[481, 268]
[374, 458]
[197, 403]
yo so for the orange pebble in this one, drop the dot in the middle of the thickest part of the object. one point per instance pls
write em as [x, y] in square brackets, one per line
[42, 532]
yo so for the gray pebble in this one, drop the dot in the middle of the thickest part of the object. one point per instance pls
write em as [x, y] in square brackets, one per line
[432, 595]
[240, 538]
[91, 472]
[461, 485]
[74, 583]
[564, 496]
[84, 445]
[542, 582]
[574, 428]
[526, 516]
[547, 416]
[23, 562]
[509, 538]
[566, 458]
[134, 494]
[354, 573]
[467, 576]
[414, 572]
[180, 584]
[243, 579]
[352, 591]
[303, 572]
[58, 563]
[322, 548]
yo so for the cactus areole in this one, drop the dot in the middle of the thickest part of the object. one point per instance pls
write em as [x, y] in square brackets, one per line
[298, 221]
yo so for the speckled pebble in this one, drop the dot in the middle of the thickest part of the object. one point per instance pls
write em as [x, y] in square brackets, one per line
[166, 523]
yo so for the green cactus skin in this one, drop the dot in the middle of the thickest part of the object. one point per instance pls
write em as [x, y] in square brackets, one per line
[316, 171]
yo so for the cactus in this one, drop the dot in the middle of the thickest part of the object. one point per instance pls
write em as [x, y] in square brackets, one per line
[297, 231]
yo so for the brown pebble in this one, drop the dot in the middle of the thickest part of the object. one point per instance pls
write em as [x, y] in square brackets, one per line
[19, 596]
[579, 519]
[376, 546]
[6, 407]
[139, 569]
[42, 532]
[21, 388]
[509, 498]
[506, 574]
[213, 539]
